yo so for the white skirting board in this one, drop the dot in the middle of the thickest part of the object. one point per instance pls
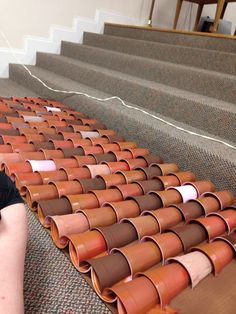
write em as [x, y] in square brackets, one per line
[52, 44]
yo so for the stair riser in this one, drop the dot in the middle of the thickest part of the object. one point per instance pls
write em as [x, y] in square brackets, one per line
[200, 58]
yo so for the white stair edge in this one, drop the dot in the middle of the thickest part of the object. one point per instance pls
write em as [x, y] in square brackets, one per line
[57, 33]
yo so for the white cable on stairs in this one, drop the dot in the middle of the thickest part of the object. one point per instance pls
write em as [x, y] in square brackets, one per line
[112, 98]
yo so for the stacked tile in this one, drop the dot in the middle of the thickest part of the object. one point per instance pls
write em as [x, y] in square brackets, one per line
[120, 209]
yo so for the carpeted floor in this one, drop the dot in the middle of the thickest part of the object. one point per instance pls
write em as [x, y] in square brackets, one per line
[10, 88]
[52, 284]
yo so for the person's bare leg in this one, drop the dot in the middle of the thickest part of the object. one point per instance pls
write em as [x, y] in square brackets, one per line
[13, 238]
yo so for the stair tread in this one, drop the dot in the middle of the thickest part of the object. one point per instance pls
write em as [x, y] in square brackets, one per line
[160, 62]
[161, 44]
[205, 100]
[137, 58]
[219, 61]
[175, 37]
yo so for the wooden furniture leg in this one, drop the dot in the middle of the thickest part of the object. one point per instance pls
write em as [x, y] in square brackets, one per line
[223, 11]
[151, 13]
[219, 9]
[199, 13]
[177, 12]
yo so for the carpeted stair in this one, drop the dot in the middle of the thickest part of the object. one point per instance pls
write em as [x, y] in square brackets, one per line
[174, 38]
[181, 86]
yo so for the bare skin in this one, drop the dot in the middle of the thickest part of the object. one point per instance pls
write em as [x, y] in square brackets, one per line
[13, 238]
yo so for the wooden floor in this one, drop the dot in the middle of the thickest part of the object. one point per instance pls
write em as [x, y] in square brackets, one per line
[214, 35]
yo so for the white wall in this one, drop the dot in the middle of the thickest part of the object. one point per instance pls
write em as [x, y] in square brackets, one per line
[34, 17]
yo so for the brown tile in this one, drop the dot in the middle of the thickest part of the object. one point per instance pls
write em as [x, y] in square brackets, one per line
[190, 235]
[189, 210]
[51, 208]
[108, 270]
[92, 184]
[118, 235]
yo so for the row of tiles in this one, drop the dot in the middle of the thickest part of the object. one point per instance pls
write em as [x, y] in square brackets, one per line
[128, 255]
[89, 250]
[160, 284]
[177, 213]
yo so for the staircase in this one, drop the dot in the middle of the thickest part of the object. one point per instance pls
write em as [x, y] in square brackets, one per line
[188, 80]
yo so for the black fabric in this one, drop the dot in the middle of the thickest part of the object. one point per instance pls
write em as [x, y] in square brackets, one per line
[9, 195]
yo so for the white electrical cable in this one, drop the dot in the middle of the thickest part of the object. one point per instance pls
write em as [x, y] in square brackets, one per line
[113, 98]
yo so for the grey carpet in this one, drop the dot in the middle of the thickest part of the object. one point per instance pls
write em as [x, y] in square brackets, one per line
[175, 38]
[52, 284]
[192, 56]
[161, 98]
[149, 94]
[133, 69]
[10, 88]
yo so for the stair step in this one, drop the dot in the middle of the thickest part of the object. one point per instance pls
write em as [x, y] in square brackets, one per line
[190, 152]
[198, 81]
[201, 58]
[175, 38]
[208, 114]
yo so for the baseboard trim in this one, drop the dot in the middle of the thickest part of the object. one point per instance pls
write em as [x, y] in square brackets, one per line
[57, 33]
